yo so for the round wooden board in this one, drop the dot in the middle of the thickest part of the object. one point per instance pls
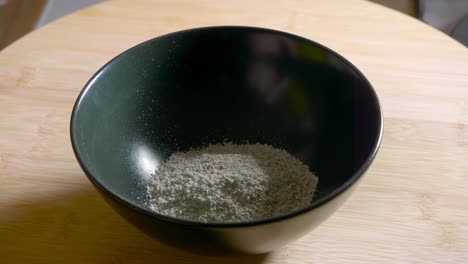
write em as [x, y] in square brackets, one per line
[411, 207]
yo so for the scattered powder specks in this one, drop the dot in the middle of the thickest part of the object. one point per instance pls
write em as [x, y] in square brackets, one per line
[231, 183]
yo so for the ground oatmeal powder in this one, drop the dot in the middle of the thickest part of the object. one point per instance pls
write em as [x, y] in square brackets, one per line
[231, 183]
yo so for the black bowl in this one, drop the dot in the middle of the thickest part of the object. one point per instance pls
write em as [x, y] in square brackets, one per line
[207, 85]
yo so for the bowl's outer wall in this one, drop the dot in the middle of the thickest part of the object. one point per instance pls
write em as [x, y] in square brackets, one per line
[256, 239]
[201, 86]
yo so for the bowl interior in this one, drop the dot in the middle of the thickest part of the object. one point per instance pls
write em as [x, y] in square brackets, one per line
[191, 88]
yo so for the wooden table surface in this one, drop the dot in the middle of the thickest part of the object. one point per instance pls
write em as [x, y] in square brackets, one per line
[411, 207]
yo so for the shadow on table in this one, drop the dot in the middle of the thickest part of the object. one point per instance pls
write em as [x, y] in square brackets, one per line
[79, 227]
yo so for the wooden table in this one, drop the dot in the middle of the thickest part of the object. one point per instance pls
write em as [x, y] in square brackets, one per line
[412, 206]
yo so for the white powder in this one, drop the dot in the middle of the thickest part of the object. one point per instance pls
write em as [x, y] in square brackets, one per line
[231, 183]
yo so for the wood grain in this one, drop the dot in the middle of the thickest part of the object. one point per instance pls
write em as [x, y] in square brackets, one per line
[412, 206]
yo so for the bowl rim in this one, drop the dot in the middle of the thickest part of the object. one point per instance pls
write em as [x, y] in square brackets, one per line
[313, 205]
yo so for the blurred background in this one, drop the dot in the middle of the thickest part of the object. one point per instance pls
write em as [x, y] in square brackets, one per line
[18, 17]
